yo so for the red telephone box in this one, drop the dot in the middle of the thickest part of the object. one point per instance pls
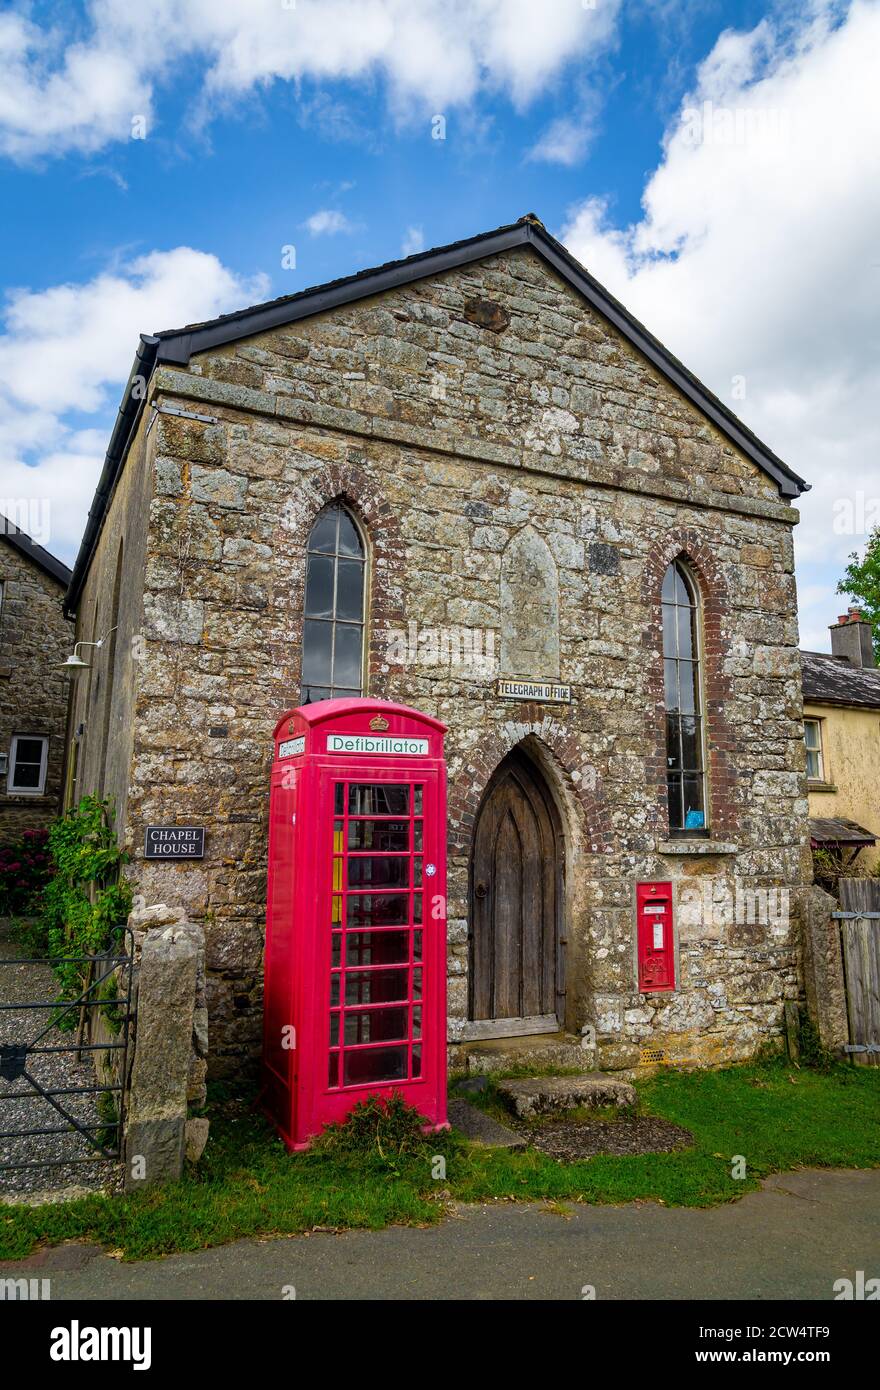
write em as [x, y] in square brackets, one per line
[355, 980]
[655, 938]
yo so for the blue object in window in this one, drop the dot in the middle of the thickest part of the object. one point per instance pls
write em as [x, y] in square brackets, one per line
[694, 820]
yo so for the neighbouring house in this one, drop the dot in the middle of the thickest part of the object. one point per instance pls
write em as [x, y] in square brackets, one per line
[35, 639]
[469, 481]
[842, 736]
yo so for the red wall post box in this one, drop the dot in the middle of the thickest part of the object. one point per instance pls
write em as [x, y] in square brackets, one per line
[355, 977]
[655, 938]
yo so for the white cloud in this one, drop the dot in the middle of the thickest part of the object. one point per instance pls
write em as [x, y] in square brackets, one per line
[413, 241]
[54, 99]
[65, 355]
[327, 222]
[757, 257]
[565, 141]
[60, 92]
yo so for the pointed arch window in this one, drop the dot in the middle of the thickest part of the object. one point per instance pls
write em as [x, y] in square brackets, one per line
[333, 626]
[685, 726]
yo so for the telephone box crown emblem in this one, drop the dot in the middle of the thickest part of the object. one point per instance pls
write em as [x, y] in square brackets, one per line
[378, 723]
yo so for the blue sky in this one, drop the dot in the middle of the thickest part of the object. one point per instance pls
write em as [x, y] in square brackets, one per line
[277, 113]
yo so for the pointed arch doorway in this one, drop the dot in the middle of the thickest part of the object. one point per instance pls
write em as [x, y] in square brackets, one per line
[517, 884]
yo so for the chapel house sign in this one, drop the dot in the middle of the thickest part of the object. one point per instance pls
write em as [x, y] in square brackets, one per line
[529, 609]
[174, 842]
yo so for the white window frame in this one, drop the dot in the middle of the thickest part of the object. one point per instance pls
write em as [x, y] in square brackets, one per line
[40, 790]
[818, 750]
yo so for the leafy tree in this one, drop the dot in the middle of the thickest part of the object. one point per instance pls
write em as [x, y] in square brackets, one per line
[861, 581]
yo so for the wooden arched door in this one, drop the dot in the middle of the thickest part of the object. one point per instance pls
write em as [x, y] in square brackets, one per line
[516, 887]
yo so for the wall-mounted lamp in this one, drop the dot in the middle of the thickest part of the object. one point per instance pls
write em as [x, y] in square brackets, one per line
[74, 664]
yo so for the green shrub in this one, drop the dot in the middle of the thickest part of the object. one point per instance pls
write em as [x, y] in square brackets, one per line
[86, 898]
[387, 1129]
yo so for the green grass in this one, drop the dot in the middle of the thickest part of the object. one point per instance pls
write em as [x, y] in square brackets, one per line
[776, 1116]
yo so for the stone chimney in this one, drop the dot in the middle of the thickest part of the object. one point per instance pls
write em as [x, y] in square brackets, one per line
[851, 638]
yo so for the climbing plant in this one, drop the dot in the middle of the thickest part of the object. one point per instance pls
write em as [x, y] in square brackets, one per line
[86, 898]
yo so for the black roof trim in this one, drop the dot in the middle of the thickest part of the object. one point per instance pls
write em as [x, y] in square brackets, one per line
[126, 423]
[178, 345]
[22, 542]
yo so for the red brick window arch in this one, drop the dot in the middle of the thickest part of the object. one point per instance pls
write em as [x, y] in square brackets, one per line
[334, 616]
[683, 693]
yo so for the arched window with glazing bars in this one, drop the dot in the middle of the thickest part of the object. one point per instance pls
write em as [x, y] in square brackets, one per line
[685, 722]
[334, 620]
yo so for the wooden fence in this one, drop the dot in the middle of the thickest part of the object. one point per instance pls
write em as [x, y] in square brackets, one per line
[859, 919]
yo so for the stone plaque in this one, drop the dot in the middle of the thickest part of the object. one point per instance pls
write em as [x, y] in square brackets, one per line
[529, 608]
[174, 842]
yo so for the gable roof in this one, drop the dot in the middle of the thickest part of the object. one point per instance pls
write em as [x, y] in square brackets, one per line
[177, 345]
[21, 541]
[832, 680]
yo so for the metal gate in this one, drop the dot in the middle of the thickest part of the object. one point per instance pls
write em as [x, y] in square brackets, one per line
[97, 1025]
[860, 941]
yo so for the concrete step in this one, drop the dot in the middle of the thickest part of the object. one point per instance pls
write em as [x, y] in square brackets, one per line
[537, 1094]
[538, 1051]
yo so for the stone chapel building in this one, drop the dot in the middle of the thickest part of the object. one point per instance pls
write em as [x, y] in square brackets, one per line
[471, 482]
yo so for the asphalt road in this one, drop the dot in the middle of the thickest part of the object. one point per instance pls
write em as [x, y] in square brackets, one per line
[790, 1240]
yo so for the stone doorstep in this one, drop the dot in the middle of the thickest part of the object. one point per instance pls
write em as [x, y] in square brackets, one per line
[481, 1128]
[540, 1050]
[536, 1095]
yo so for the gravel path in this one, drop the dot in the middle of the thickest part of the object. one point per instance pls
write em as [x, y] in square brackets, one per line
[20, 983]
[569, 1139]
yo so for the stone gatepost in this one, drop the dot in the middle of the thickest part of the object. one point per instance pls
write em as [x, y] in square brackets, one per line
[824, 981]
[170, 1051]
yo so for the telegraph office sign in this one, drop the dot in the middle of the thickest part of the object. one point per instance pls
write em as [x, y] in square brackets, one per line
[544, 692]
[174, 842]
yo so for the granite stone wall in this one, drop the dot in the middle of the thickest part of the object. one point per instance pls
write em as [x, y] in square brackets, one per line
[494, 438]
[35, 638]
